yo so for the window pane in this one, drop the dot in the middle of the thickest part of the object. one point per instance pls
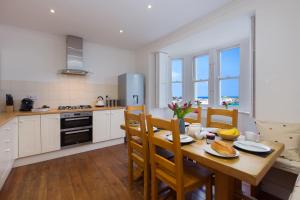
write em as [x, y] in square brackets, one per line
[201, 91]
[177, 90]
[202, 68]
[229, 91]
[230, 62]
[177, 65]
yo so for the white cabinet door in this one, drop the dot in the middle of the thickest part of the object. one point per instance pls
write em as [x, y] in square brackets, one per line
[8, 140]
[2, 153]
[29, 135]
[117, 118]
[15, 137]
[50, 132]
[101, 126]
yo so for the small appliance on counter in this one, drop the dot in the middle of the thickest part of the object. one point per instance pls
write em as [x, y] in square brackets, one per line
[100, 102]
[26, 104]
[9, 103]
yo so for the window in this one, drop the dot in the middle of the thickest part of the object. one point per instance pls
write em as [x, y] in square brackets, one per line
[177, 69]
[201, 78]
[229, 75]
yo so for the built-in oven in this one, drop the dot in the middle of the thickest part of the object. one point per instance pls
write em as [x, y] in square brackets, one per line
[76, 128]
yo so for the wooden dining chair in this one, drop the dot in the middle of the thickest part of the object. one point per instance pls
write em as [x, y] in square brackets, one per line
[179, 174]
[233, 114]
[138, 150]
[140, 109]
[191, 120]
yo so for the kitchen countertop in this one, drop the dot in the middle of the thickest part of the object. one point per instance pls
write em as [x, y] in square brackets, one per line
[5, 117]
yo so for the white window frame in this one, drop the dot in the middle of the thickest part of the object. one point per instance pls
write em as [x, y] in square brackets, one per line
[182, 75]
[209, 80]
[218, 74]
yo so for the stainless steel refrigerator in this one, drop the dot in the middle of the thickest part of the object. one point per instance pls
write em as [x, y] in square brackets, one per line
[131, 87]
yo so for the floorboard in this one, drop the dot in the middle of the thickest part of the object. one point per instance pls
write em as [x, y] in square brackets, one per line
[99, 174]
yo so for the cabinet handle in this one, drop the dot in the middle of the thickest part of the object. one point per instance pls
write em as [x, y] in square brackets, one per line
[7, 129]
[6, 141]
[7, 150]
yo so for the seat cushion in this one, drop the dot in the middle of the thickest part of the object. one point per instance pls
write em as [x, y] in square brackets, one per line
[287, 165]
[286, 133]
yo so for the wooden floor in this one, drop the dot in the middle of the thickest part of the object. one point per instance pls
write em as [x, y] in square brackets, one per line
[99, 174]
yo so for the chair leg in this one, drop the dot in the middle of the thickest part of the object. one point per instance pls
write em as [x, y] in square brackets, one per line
[154, 187]
[208, 189]
[147, 183]
[180, 194]
[130, 172]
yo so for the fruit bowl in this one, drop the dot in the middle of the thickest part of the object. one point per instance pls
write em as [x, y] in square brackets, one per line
[229, 134]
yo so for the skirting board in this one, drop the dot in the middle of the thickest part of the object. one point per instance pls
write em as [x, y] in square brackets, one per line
[65, 152]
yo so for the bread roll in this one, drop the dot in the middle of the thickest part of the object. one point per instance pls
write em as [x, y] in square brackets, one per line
[223, 148]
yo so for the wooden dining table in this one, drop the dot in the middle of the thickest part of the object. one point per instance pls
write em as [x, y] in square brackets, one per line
[229, 173]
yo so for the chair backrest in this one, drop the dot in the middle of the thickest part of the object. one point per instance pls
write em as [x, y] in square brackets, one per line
[140, 109]
[233, 114]
[170, 172]
[138, 150]
[197, 111]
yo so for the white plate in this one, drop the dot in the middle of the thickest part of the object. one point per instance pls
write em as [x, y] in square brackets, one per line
[183, 138]
[252, 146]
[208, 149]
[186, 124]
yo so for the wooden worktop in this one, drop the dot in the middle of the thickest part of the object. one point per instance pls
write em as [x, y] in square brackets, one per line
[5, 117]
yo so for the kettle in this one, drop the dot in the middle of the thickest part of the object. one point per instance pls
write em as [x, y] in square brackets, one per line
[100, 102]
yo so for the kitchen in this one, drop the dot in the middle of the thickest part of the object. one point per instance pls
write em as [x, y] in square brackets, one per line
[46, 128]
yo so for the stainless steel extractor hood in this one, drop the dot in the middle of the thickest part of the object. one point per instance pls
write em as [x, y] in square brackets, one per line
[75, 65]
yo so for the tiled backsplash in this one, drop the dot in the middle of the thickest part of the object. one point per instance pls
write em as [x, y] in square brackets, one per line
[65, 91]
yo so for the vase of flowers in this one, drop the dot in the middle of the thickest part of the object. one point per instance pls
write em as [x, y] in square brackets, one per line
[180, 111]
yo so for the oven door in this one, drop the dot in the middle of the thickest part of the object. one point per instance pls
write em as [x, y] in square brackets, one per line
[67, 123]
[76, 136]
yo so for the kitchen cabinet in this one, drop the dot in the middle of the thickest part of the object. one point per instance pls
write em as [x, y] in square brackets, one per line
[116, 119]
[29, 135]
[8, 142]
[106, 125]
[50, 132]
[101, 126]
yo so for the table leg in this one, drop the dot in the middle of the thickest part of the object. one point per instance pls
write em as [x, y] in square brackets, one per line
[224, 186]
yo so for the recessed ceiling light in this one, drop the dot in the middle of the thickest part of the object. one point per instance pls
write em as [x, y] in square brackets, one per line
[121, 31]
[149, 6]
[52, 11]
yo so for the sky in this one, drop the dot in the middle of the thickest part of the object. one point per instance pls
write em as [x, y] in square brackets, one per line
[229, 66]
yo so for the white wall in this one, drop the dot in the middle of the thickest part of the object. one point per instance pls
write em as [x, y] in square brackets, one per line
[30, 62]
[277, 70]
[36, 56]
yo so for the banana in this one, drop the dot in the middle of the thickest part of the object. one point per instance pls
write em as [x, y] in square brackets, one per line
[232, 132]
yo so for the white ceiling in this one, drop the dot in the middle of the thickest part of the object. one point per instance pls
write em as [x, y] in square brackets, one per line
[216, 36]
[100, 20]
